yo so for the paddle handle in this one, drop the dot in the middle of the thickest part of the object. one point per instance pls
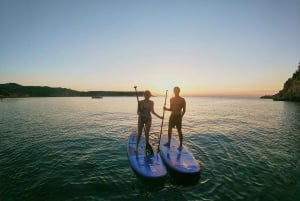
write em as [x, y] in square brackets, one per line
[137, 98]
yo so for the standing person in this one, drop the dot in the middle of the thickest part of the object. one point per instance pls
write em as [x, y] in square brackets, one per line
[144, 110]
[177, 108]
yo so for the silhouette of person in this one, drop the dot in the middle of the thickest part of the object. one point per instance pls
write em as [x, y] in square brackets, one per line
[177, 108]
[144, 110]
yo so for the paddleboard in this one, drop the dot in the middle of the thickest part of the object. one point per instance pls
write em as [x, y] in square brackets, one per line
[151, 166]
[180, 161]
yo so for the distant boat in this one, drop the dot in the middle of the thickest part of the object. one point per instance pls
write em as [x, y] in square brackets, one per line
[98, 97]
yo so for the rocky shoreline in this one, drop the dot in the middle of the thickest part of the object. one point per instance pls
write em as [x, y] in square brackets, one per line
[290, 91]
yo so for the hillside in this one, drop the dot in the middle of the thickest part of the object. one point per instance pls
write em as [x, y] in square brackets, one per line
[291, 89]
[12, 90]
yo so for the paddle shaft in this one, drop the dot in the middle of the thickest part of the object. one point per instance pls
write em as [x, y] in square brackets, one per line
[162, 121]
[137, 98]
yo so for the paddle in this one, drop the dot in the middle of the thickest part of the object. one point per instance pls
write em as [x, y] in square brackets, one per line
[137, 98]
[162, 121]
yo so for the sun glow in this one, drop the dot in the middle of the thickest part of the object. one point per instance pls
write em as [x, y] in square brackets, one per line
[161, 86]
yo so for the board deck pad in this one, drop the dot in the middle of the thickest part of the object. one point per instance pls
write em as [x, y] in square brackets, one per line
[181, 161]
[147, 166]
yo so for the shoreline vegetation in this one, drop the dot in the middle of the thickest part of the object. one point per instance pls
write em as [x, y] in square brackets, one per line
[290, 91]
[14, 90]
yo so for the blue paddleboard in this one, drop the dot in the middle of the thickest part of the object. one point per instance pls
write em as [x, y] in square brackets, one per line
[182, 162]
[151, 166]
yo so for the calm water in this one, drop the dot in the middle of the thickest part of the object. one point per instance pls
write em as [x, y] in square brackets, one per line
[75, 149]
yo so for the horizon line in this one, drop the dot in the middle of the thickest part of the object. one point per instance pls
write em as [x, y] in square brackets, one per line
[254, 93]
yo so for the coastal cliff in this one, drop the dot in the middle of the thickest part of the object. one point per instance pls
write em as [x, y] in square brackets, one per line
[291, 89]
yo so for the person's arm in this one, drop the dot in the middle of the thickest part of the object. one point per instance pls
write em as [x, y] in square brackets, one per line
[156, 115]
[169, 109]
[183, 108]
[153, 112]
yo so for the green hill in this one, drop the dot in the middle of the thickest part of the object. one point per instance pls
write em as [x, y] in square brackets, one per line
[12, 90]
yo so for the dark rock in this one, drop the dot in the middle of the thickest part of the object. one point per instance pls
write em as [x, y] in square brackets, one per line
[291, 89]
[267, 97]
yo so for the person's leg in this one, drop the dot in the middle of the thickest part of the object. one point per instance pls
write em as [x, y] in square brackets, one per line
[147, 130]
[149, 149]
[169, 134]
[178, 126]
[170, 127]
[180, 138]
[140, 129]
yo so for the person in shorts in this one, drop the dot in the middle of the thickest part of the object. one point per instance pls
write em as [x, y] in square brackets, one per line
[177, 108]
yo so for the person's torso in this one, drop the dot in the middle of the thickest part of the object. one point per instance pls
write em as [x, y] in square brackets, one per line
[145, 108]
[177, 104]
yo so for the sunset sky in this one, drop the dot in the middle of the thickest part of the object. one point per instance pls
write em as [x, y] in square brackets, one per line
[207, 47]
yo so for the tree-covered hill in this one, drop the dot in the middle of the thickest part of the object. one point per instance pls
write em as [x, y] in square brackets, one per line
[291, 88]
[12, 90]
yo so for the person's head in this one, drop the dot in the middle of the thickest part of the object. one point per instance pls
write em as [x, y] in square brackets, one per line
[176, 90]
[147, 94]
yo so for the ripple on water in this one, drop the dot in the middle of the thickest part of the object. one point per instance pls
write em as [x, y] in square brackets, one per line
[75, 149]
